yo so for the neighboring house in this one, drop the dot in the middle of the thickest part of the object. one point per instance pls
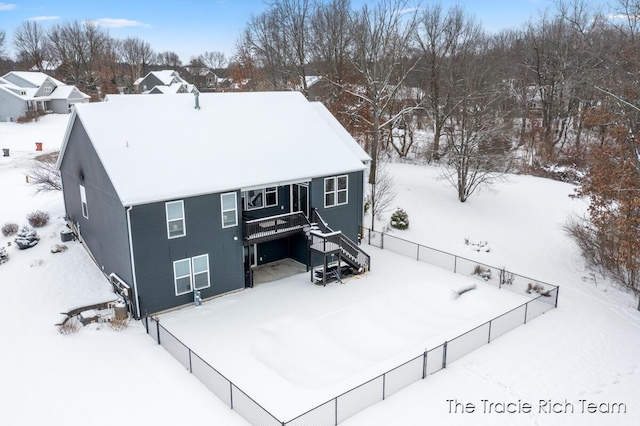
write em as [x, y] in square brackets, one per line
[165, 81]
[23, 91]
[210, 187]
[203, 77]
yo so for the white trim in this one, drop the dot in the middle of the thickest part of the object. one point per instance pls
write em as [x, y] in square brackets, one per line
[193, 272]
[284, 183]
[181, 218]
[176, 277]
[335, 191]
[345, 190]
[83, 202]
[235, 209]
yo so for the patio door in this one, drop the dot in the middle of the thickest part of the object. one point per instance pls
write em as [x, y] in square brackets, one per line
[300, 198]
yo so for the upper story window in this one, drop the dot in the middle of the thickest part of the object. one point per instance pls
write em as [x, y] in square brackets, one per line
[336, 190]
[229, 206]
[175, 219]
[260, 198]
[83, 201]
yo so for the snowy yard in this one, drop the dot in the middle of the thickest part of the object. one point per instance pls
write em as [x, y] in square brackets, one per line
[292, 345]
[585, 350]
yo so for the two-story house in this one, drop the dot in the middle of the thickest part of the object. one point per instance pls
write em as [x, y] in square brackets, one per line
[23, 91]
[173, 195]
[163, 82]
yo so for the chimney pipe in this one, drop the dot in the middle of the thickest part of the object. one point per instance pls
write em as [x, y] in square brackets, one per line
[196, 94]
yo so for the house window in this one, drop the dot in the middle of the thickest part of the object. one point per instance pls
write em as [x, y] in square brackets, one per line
[336, 191]
[271, 196]
[83, 201]
[260, 198]
[229, 209]
[191, 273]
[254, 199]
[175, 219]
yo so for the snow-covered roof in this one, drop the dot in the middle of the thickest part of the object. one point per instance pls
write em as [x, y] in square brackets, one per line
[157, 148]
[353, 145]
[64, 92]
[35, 78]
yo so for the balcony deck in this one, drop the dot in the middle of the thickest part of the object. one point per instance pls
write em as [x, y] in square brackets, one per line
[274, 227]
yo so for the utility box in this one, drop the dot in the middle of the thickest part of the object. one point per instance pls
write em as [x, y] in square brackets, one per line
[66, 235]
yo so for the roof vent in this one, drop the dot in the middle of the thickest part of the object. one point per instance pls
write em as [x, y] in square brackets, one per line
[196, 94]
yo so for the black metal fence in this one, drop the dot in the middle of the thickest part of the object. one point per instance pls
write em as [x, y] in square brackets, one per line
[499, 277]
[343, 406]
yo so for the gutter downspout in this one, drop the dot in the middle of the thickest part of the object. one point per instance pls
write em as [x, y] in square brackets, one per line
[133, 263]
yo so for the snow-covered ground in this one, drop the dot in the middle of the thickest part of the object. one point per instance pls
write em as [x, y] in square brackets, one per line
[586, 350]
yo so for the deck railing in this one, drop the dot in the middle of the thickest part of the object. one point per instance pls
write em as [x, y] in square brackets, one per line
[257, 229]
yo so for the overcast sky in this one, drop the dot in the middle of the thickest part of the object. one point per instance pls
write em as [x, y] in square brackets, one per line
[190, 27]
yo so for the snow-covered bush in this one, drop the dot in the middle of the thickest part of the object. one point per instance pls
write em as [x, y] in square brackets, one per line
[479, 246]
[483, 272]
[38, 218]
[4, 256]
[27, 237]
[400, 219]
[9, 229]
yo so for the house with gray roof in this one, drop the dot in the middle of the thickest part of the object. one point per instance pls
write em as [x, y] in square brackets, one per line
[187, 206]
[23, 91]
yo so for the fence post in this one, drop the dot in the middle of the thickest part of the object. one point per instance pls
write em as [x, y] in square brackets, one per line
[444, 355]
[190, 365]
[455, 264]
[384, 382]
[418, 252]
[489, 341]
[526, 306]
[557, 291]
[382, 240]
[424, 365]
[231, 395]
[158, 329]
[336, 410]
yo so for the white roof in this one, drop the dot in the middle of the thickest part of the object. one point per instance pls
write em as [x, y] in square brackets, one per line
[36, 78]
[166, 76]
[64, 92]
[353, 145]
[157, 148]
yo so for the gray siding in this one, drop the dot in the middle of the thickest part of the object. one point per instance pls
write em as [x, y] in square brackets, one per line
[155, 252]
[347, 217]
[11, 106]
[150, 81]
[105, 231]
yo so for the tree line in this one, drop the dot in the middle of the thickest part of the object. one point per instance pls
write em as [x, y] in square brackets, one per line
[559, 93]
[87, 56]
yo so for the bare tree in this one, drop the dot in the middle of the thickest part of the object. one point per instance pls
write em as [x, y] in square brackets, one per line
[214, 60]
[79, 47]
[477, 153]
[385, 193]
[168, 59]
[32, 45]
[442, 39]
[137, 55]
[44, 175]
[2, 43]
[381, 49]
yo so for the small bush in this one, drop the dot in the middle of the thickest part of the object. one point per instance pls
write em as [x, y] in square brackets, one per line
[9, 229]
[26, 238]
[69, 326]
[400, 219]
[4, 256]
[38, 219]
[482, 272]
[118, 323]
